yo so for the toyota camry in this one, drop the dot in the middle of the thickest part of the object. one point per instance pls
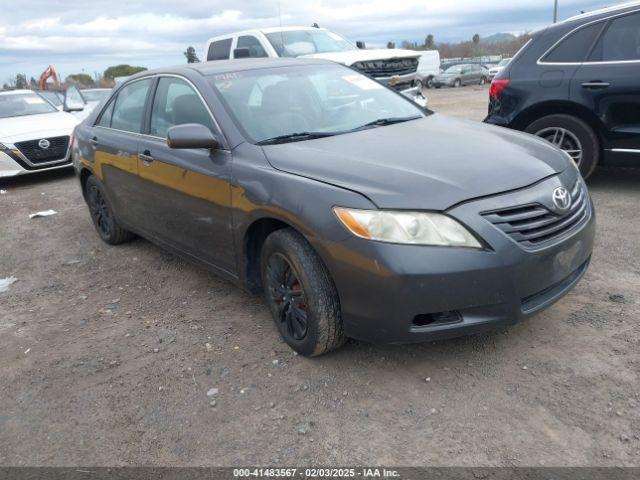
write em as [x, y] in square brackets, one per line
[356, 212]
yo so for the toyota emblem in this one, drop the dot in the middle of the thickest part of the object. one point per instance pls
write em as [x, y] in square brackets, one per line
[44, 143]
[561, 198]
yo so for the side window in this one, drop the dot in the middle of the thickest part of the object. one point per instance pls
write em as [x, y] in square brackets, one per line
[105, 118]
[219, 50]
[574, 48]
[176, 103]
[620, 42]
[253, 44]
[129, 106]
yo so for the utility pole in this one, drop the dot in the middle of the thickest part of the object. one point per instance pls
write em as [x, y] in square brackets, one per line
[555, 11]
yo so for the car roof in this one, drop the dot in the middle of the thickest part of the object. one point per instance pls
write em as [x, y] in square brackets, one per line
[237, 65]
[603, 11]
[253, 31]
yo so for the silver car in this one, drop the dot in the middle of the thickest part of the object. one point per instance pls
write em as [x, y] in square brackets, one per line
[459, 75]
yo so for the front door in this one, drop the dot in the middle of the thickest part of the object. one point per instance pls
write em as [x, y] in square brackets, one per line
[608, 83]
[186, 192]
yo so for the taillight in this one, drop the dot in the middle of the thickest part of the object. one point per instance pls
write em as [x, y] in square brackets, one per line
[497, 86]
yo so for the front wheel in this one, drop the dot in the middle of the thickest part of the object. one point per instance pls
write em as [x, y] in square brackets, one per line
[301, 295]
[573, 136]
[457, 83]
[428, 82]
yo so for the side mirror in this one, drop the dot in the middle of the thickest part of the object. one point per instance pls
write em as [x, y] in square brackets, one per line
[241, 53]
[73, 101]
[360, 44]
[192, 135]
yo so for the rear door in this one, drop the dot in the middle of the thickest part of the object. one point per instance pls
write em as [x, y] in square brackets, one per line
[187, 192]
[114, 144]
[561, 62]
[608, 83]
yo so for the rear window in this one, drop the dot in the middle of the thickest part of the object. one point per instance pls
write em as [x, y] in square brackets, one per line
[620, 42]
[575, 47]
[219, 50]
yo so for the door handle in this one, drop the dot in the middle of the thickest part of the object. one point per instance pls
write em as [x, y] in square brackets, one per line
[595, 85]
[94, 141]
[146, 158]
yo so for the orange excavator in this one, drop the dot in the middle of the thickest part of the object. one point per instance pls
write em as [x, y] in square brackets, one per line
[50, 72]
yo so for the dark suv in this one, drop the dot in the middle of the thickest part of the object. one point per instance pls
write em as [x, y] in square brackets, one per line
[577, 84]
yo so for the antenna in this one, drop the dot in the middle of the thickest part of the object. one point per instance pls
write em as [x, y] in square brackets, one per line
[281, 33]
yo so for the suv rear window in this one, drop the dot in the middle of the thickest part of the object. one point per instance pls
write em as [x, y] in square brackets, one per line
[620, 42]
[219, 50]
[575, 47]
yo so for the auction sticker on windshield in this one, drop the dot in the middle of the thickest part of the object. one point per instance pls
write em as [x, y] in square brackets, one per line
[363, 83]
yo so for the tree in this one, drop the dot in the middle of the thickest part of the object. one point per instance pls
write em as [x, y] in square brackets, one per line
[476, 39]
[122, 71]
[190, 53]
[21, 81]
[81, 78]
[33, 83]
[429, 44]
[391, 45]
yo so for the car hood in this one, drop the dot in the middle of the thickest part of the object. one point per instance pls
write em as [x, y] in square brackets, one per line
[15, 129]
[352, 56]
[429, 164]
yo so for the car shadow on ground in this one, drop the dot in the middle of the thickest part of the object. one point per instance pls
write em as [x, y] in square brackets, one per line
[625, 179]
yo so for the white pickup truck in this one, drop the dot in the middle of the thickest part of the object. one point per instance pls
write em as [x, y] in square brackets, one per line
[394, 67]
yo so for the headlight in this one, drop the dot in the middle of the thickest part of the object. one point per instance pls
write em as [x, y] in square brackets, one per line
[415, 228]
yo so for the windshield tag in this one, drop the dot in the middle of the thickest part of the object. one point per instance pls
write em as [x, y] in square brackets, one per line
[363, 83]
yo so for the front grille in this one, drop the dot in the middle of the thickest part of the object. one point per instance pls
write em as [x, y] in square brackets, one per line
[387, 68]
[533, 225]
[57, 150]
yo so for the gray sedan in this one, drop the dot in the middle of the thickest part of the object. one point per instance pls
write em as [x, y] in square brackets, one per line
[356, 213]
[460, 75]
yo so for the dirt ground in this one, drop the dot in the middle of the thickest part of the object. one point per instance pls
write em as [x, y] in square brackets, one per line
[107, 355]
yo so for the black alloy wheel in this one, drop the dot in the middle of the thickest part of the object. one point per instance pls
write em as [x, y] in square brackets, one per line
[285, 290]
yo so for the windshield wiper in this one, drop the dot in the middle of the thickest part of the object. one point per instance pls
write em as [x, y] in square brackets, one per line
[381, 122]
[295, 137]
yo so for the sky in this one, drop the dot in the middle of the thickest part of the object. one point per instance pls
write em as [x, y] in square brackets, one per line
[89, 36]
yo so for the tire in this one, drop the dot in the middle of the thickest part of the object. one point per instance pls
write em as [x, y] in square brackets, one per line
[578, 135]
[428, 83]
[483, 80]
[457, 83]
[295, 280]
[102, 215]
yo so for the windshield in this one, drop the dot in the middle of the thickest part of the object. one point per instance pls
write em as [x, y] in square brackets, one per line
[454, 69]
[20, 104]
[327, 99]
[52, 97]
[94, 95]
[294, 43]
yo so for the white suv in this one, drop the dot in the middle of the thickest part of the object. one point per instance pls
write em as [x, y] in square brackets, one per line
[34, 135]
[394, 67]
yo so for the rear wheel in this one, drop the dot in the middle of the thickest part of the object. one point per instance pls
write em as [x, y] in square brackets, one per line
[457, 83]
[572, 135]
[102, 214]
[428, 82]
[301, 295]
[483, 80]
